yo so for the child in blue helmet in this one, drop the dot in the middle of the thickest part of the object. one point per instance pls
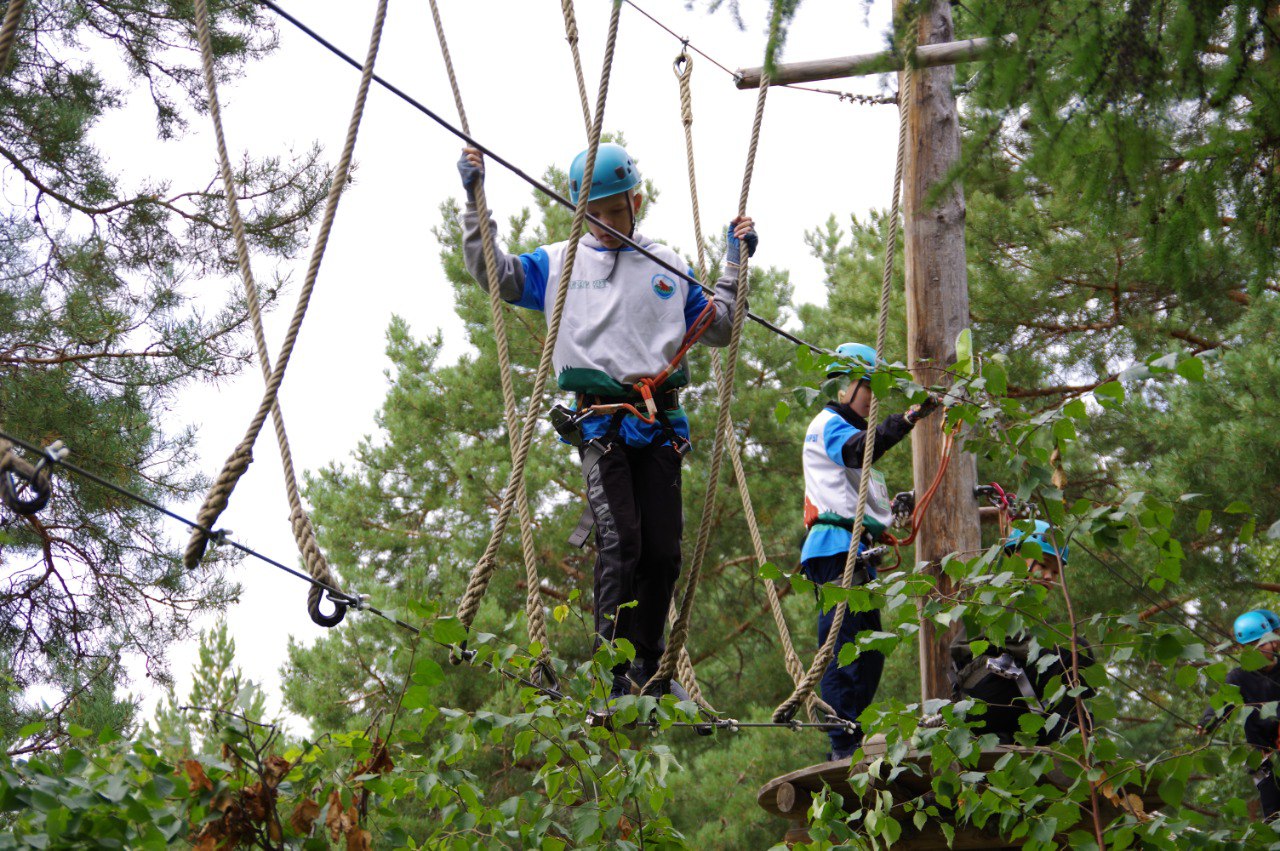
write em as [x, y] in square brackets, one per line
[833, 449]
[1260, 627]
[625, 318]
[1007, 677]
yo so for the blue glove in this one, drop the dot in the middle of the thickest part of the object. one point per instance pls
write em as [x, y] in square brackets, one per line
[471, 173]
[734, 251]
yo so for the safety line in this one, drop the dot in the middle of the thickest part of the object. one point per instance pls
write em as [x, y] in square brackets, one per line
[683, 274]
[356, 602]
[850, 97]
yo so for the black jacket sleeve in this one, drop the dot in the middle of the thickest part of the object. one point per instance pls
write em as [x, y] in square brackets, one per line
[1255, 692]
[888, 434]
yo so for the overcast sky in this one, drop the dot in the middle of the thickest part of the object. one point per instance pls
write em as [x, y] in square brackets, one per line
[818, 156]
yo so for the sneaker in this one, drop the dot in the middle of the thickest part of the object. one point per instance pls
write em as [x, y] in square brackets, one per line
[621, 687]
[642, 672]
[837, 754]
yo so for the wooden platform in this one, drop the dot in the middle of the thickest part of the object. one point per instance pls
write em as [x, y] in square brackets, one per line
[790, 795]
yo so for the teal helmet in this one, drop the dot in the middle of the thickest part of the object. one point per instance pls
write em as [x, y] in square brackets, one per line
[854, 351]
[615, 173]
[1039, 535]
[1254, 625]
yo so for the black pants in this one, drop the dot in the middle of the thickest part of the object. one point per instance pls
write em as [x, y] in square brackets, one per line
[849, 689]
[634, 494]
[1268, 790]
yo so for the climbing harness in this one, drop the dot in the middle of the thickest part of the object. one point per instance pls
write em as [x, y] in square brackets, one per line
[242, 457]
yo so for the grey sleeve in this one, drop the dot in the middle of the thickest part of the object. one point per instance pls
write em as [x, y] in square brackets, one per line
[726, 290]
[510, 269]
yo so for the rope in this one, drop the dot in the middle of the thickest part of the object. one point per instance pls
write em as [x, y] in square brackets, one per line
[535, 611]
[571, 36]
[478, 582]
[724, 427]
[787, 709]
[556, 197]
[683, 67]
[9, 30]
[300, 522]
[238, 463]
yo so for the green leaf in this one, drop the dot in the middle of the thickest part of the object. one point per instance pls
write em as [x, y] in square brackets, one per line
[1237, 507]
[78, 732]
[427, 672]
[769, 570]
[996, 377]
[1110, 394]
[782, 411]
[1246, 531]
[1203, 519]
[964, 350]
[449, 631]
[1192, 369]
[1171, 791]
[30, 729]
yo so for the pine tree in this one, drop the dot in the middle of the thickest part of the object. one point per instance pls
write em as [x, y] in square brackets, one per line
[100, 327]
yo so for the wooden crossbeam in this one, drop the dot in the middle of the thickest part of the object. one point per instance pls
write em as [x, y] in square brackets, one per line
[927, 56]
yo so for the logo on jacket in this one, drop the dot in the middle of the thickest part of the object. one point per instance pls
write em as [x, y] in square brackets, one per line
[663, 286]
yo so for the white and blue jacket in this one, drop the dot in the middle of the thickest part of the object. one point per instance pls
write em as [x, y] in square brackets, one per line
[624, 318]
[832, 456]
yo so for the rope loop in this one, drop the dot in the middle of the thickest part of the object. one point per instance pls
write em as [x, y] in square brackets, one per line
[683, 64]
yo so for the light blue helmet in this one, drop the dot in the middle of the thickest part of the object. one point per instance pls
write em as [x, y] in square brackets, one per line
[855, 352]
[1039, 536]
[1256, 624]
[615, 172]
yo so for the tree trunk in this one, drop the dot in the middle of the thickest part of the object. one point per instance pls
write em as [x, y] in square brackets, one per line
[937, 311]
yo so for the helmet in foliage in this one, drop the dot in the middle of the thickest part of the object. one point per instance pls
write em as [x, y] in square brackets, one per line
[615, 172]
[1256, 624]
[854, 352]
[1039, 535]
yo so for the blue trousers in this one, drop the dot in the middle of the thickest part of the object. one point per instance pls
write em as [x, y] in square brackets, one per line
[849, 689]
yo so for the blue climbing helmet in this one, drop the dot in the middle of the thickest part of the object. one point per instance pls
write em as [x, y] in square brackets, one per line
[615, 172]
[1256, 624]
[1040, 536]
[854, 352]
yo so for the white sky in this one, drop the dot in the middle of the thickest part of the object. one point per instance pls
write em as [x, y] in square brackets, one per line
[818, 156]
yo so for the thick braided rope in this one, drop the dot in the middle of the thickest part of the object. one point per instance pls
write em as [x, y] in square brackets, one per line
[786, 710]
[9, 31]
[220, 493]
[724, 426]
[301, 524]
[684, 73]
[571, 36]
[535, 612]
[478, 582]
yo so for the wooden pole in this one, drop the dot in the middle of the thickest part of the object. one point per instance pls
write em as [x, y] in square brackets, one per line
[927, 56]
[937, 311]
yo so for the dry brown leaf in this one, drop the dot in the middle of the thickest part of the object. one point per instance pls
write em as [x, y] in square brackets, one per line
[256, 801]
[333, 820]
[304, 816]
[359, 840]
[379, 763]
[205, 843]
[195, 773]
[276, 769]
